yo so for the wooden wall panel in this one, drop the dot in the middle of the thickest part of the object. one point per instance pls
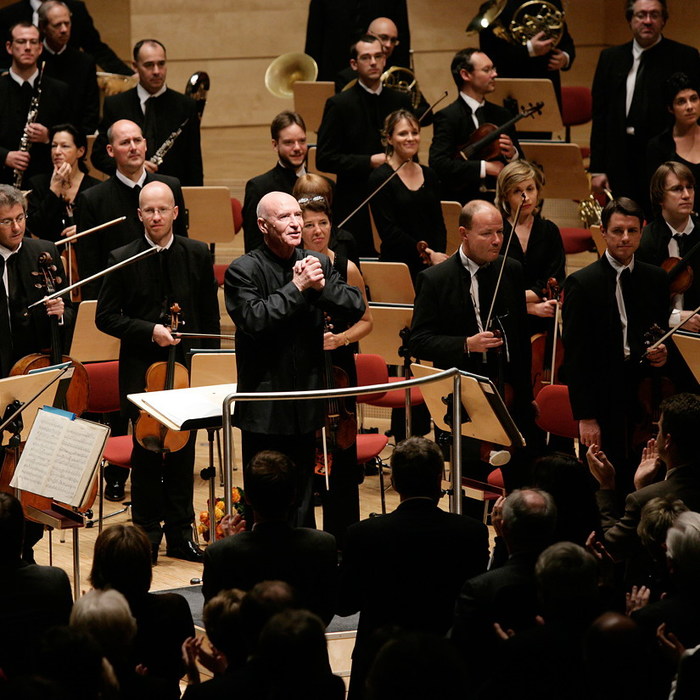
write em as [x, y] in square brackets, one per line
[113, 20]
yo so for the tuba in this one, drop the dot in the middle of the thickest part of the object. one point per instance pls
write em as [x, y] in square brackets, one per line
[528, 19]
[286, 69]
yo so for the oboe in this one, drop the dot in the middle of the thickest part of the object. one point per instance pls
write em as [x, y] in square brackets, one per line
[157, 157]
[25, 144]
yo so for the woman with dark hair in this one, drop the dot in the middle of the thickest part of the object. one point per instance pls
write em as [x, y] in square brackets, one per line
[407, 209]
[122, 560]
[52, 197]
[681, 141]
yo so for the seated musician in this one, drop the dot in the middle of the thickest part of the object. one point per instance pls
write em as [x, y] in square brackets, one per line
[52, 196]
[159, 111]
[537, 244]
[407, 209]
[462, 180]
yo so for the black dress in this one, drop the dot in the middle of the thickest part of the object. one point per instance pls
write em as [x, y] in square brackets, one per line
[404, 217]
[48, 215]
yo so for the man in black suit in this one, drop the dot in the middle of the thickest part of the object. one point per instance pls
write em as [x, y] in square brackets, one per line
[23, 332]
[526, 522]
[35, 598]
[676, 445]
[273, 550]
[17, 89]
[608, 307]
[133, 305]
[627, 109]
[405, 568]
[288, 132]
[84, 35]
[450, 315]
[115, 197]
[160, 112]
[539, 58]
[277, 295]
[462, 180]
[349, 138]
[70, 65]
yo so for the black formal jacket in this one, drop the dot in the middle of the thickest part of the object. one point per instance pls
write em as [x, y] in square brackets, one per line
[443, 317]
[279, 336]
[349, 134]
[84, 35]
[183, 160]
[514, 61]
[592, 332]
[54, 108]
[104, 202]
[77, 70]
[608, 130]
[279, 179]
[305, 559]
[405, 568]
[131, 304]
[31, 332]
[452, 128]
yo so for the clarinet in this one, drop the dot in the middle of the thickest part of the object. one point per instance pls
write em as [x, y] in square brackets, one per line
[25, 144]
[159, 155]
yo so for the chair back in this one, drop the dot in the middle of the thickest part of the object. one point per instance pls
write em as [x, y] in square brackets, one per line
[555, 414]
[104, 386]
[576, 105]
[450, 215]
[370, 369]
[209, 213]
[388, 282]
[237, 211]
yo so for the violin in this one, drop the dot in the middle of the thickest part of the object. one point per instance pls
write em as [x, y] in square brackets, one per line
[75, 399]
[483, 142]
[680, 275]
[544, 373]
[422, 247]
[149, 432]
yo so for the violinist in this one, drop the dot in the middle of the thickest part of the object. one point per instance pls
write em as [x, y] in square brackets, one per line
[133, 306]
[537, 244]
[341, 501]
[608, 308]
[463, 180]
[452, 306]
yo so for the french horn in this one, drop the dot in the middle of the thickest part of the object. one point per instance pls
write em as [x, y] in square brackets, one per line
[286, 69]
[403, 80]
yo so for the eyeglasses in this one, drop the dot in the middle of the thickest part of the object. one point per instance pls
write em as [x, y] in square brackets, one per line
[489, 70]
[19, 220]
[316, 198]
[677, 189]
[150, 212]
[393, 40]
[653, 15]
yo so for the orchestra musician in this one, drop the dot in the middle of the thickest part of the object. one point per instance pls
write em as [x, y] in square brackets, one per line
[407, 210]
[537, 244]
[70, 65]
[453, 299]
[608, 307]
[462, 180]
[133, 305]
[52, 197]
[159, 111]
[17, 89]
[118, 196]
[276, 295]
[349, 138]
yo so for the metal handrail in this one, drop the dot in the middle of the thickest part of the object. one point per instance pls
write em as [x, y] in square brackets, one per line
[456, 463]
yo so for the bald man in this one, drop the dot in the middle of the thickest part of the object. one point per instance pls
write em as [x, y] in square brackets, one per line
[134, 306]
[277, 295]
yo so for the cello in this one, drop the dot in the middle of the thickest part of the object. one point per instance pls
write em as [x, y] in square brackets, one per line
[544, 372]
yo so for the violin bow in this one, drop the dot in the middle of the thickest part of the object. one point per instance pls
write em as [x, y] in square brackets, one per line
[99, 227]
[503, 262]
[668, 334]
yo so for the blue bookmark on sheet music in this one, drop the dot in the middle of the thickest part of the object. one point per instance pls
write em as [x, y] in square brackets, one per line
[59, 412]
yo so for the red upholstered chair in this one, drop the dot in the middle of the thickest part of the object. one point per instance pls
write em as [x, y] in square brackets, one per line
[237, 210]
[103, 380]
[576, 109]
[576, 240]
[220, 272]
[555, 414]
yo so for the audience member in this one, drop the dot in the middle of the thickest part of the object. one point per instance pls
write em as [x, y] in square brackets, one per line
[419, 553]
[273, 549]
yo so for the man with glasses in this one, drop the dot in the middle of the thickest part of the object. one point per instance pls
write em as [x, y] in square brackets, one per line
[135, 305]
[17, 88]
[627, 110]
[349, 138]
[463, 180]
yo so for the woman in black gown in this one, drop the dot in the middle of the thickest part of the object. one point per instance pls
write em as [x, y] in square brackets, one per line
[52, 197]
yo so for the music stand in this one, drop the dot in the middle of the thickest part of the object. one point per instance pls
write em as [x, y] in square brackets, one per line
[515, 93]
[563, 169]
[310, 100]
[484, 414]
[598, 239]
[90, 344]
[688, 345]
[450, 215]
[388, 282]
[209, 215]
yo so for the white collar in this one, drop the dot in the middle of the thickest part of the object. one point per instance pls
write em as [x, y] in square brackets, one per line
[6, 252]
[51, 51]
[619, 269]
[21, 81]
[159, 247]
[130, 183]
[378, 91]
[471, 102]
[143, 94]
[637, 50]
[471, 266]
[689, 227]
